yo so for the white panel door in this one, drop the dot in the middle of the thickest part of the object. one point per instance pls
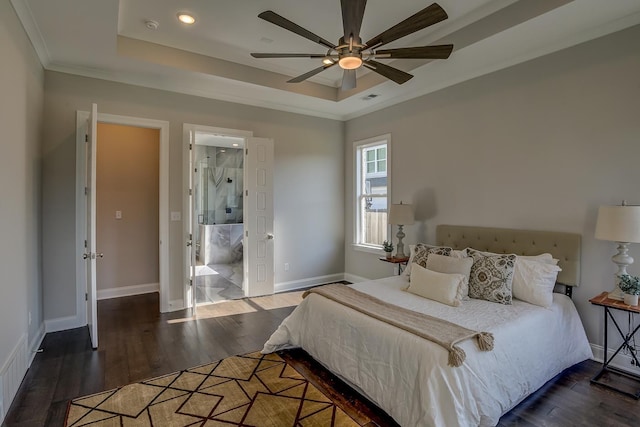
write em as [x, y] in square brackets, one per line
[258, 217]
[90, 251]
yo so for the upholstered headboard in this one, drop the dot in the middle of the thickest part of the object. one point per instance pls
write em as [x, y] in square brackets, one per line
[563, 246]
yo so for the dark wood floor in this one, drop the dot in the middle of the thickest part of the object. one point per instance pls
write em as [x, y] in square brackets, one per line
[136, 343]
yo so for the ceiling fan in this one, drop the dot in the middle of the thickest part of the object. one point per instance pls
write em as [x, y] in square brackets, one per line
[350, 53]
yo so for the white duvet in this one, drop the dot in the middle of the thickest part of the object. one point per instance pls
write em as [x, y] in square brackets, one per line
[408, 376]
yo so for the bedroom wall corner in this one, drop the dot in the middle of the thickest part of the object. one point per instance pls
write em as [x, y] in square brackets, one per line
[539, 146]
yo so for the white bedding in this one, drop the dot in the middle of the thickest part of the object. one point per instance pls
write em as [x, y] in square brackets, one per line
[408, 376]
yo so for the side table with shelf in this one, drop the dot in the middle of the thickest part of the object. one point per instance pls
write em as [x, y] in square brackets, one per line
[608, 305]
[394, 260]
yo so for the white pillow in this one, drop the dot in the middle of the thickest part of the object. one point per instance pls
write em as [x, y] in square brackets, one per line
[545, 258]
[436, 286]
[449, 265]
[459, 254]
[412, 253]
[533, 280]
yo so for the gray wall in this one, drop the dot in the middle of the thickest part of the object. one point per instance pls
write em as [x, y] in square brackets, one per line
[309, 178]
[21, 86]
[539, 146]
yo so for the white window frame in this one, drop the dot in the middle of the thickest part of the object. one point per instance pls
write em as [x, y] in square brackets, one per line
[359, 163]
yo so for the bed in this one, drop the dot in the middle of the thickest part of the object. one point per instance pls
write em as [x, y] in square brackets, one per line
[410, 378]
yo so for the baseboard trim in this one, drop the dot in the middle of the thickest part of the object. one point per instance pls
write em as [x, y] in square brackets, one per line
[176, 305]
[62, 324]
[127, 291]
[354, 279]
[35, 344]
[11, 374]
[305, 283]
[621, 361]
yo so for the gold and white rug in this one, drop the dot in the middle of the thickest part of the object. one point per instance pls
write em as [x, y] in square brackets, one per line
[250, 390]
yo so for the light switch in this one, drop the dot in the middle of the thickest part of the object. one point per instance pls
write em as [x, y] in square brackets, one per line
[176, 216]
[118, 214]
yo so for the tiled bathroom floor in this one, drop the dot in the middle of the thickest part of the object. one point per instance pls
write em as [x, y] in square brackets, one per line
[216, 283]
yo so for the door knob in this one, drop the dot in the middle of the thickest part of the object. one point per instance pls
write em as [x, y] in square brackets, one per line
[270, 236]
[100, 255]
[85, 256]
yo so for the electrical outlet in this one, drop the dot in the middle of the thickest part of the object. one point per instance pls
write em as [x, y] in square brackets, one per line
[118, 214]
[286, 266]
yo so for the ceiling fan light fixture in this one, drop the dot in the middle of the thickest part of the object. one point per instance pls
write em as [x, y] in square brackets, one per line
[186, 18]
[327, 61]
[350, 62]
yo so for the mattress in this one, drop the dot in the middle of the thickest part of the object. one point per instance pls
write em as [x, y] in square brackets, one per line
[408, 376]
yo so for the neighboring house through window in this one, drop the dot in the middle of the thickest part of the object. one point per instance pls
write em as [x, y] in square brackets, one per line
[372, 183]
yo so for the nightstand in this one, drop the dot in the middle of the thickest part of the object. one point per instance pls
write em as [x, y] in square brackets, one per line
[608, 305]
[400, 261]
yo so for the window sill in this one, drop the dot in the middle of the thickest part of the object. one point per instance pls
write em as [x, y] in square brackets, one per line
[368, 249]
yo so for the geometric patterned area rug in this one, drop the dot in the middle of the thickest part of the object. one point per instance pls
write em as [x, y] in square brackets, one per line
[251, 390]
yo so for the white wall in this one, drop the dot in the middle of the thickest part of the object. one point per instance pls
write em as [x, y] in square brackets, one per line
[21, 89]
[537, 146]
[309, 178]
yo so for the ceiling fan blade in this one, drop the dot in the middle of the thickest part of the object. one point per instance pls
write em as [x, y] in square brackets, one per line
[280, 21]
[421, 52]
[426, 17]
[311, 73]
[349, 79]
[391, 73]
[288, 55]
[352, 14]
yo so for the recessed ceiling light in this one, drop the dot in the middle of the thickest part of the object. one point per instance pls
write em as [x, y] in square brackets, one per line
[185, 18]
[235, 144]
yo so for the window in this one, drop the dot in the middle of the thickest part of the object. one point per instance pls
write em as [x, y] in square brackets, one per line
[372, 183]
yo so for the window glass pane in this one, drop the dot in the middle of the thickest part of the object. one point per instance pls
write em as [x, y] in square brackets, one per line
[371, 155]
[375, 221]
[372, 222]
[371, 167]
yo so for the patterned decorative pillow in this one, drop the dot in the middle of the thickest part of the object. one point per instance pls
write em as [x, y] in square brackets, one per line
[422, 252]
[491, 276]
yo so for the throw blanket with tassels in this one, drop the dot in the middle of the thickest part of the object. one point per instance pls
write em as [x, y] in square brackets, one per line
[439, 331]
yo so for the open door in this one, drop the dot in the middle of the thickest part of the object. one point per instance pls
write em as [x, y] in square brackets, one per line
[258, 217]
[90, 254]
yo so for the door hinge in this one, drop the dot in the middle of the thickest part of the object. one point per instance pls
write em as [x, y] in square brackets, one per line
[190, 282]
[195, 170]
[86, 296]
[246, 151]
[190, 192]
[85, 243]
[246, 233]
[190, 236]
[190, 146]
[86, 190]
[86, 138]
[246, 192]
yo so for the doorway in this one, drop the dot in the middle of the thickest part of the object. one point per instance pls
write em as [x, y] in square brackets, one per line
[85, 297]
[218, 230]
[229, 215]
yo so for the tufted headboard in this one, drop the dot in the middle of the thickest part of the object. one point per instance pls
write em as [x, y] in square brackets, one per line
[563, 246]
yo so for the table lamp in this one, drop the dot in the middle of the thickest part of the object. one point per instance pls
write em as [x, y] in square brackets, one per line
[619, 224]
[400, 215]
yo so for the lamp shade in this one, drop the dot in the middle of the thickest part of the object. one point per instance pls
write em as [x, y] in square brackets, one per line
[401, 214]
[618, 224]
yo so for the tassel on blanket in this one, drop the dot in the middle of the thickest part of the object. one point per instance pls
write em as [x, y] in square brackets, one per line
[456, 356]
[485, 341]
